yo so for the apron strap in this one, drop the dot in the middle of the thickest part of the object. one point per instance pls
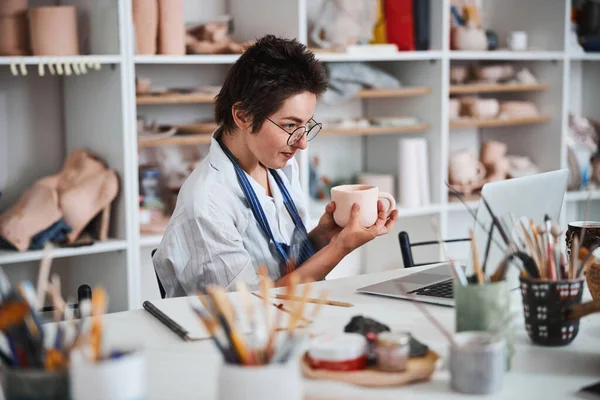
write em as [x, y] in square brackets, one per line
[301, 251]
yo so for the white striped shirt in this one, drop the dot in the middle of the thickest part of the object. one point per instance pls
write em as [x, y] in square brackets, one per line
[213, 237]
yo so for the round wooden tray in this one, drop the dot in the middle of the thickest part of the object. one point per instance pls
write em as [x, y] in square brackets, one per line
[418, 369]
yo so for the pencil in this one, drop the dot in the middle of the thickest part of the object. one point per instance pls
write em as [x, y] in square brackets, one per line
[313, 300]
[476, 265]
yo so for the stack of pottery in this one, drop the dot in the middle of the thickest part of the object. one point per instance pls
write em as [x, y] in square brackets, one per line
[159, 26]
[493, 157]
[14, 37]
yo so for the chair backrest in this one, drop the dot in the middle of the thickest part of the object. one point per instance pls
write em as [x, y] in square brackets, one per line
[160, 286]
[406, 248]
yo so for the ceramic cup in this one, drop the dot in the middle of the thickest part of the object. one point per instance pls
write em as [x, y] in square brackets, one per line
[365, 196]
[477, 363]
[492, 152]
[34, 384]
[544, 307]
[271, 382]
[517, 41]
[484, 308]
[53, 31]
[121, 378]
[465, 168]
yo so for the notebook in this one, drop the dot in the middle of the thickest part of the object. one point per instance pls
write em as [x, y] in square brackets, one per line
[177, 315]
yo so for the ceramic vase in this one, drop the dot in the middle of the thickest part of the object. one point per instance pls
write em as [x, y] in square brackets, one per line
[145, 21]
[468, 38]
[14, 36]
[171, 27]
[12, 8]
[54, 31]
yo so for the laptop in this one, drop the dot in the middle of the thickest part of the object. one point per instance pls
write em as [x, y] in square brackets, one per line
[531, 196]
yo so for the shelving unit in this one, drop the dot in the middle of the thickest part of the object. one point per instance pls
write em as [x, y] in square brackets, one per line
[49, 116]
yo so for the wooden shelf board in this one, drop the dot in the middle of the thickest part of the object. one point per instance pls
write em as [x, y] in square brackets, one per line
[178, 140]
[376, 130]
[496, 88]
[497, 122]
[11, 257]
[385, 93]
[175, 98]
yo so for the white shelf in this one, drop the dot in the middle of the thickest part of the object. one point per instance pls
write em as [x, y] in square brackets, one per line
[583, 195]
[11, 257]
[506, 55]
[150, 240]
[188, 59]
[34, 60]
[399, 56]
[585, 57]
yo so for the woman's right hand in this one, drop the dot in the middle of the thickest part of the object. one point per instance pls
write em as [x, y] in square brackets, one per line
[355, 235]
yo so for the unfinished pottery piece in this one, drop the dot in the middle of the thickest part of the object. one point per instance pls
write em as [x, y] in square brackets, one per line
[145, 22]
[171, 27]
[54, 31]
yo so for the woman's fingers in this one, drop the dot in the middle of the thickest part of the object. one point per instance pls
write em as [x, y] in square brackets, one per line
[389, 224]
[330, 208]
[354, 216]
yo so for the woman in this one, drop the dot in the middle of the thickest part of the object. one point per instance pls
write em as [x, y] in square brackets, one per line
[243, 206]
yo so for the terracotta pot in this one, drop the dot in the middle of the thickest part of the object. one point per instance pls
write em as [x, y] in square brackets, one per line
[483, 108]
[171, 27]
[54, 31]
[145, 21]
[12, 8]
[14, 36]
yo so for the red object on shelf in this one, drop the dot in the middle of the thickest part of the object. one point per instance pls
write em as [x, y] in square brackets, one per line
[400, 24]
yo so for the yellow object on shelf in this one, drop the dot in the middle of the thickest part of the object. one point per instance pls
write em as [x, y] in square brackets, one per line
[379, 30]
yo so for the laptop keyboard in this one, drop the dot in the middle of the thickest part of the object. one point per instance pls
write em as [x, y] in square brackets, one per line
[442, 289]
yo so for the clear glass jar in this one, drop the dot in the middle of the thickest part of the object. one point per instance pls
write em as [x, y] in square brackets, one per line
[393, 349]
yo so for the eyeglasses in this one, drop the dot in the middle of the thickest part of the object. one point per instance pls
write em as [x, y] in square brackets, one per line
[311, 129]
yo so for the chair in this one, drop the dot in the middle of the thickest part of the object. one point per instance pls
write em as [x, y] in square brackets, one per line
[160, 286]
[406, 249]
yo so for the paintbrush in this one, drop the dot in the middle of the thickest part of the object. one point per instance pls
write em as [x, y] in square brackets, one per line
[211, 327]
[476, 265]
[221, 304]
[474, 215]
[581, 310]
[455, 268]
[316, 301]
[43, 275]
[496, 221]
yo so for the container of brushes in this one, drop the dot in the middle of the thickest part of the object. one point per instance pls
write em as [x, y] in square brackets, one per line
[545, 306]
[35, 384]
[120, 376]
[273, 381]
[485, 307]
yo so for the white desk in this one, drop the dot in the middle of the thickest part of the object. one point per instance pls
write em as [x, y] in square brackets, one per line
[178, 370]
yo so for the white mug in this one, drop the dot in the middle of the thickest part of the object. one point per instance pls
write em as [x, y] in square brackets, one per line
[365, 196]
[517, 41]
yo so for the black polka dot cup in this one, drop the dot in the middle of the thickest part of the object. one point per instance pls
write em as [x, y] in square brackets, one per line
[545, 307]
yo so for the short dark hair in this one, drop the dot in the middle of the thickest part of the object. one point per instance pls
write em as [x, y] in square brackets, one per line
[267, 74]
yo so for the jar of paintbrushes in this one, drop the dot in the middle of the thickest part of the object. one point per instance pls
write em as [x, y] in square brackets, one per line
[552, 289]
[482, 302]
[259, 340]
[32, 369]
[97, 373]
